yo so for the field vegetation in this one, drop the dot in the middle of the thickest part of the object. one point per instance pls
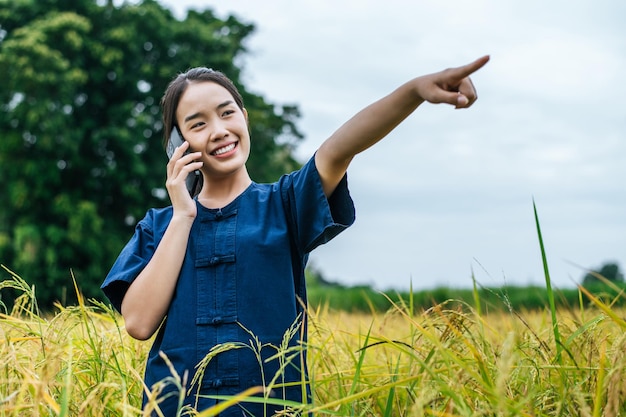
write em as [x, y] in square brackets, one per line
[451, 359]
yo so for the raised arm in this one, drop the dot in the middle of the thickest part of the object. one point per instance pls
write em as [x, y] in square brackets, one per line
[452, 86]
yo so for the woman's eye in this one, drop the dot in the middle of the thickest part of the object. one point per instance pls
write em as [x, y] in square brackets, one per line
[228, 112]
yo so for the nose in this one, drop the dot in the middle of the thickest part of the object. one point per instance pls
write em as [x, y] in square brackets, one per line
[218, 131]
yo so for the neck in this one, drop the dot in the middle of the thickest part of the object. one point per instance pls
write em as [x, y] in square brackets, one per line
[219, 192]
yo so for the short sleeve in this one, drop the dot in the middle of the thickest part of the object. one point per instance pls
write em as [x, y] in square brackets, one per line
[131, 261]
[315, 219]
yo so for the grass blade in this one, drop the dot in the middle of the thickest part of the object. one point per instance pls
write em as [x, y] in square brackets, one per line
[546, 271]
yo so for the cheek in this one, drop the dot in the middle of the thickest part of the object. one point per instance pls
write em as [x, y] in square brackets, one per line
[247, 144]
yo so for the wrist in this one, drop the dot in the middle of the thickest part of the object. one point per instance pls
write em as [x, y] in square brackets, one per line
[418, 85]
[182, 220]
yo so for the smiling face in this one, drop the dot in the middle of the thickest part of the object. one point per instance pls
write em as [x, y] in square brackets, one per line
[212, 122]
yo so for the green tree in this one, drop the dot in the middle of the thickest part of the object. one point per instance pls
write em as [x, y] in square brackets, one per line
[81, 157]
[609, 271]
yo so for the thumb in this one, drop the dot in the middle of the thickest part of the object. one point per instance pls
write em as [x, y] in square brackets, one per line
[461, 101]
[451, 97]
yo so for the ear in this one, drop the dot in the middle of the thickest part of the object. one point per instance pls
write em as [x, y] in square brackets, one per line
[245, 114]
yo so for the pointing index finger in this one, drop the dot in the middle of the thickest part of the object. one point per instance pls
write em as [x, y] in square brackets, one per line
[466, 70]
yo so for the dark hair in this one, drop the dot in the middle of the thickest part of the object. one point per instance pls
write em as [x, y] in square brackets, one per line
[174, 91]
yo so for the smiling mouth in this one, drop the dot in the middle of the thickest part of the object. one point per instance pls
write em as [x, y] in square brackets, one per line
[223, 150]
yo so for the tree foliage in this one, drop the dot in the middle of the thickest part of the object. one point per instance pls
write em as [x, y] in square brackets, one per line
[81, 157]
[609, 271]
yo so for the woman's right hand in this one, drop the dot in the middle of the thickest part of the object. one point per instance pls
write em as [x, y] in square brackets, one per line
[178, 168]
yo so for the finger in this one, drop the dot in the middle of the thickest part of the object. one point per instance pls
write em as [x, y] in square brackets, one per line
[451, 97]
[466, 70]
[467, 93]
[180, 150]
[189, 169]
[178, 176]
[187, 164]
[178, 162]
[189, 157]
[176, 155]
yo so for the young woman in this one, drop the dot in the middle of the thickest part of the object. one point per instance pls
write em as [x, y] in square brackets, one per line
[226, 268]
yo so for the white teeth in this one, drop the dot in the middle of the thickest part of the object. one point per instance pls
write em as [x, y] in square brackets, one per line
[224, 149]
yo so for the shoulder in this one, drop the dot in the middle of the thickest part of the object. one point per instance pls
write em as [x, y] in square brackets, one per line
[159, 214]
[305, 177]
[156, 219]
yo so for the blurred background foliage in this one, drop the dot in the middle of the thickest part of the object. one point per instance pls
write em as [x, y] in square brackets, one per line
[81, 156]
[365, 299]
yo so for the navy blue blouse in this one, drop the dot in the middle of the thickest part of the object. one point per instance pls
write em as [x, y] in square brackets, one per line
[242, 278]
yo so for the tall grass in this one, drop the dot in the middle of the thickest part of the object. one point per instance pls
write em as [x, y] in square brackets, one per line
[449, 360]
[77, 361]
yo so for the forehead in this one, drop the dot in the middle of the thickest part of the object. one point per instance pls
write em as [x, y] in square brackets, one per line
[204, 95]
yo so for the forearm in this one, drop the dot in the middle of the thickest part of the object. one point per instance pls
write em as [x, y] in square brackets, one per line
[373, 123]
[147, 299]
[363, 130]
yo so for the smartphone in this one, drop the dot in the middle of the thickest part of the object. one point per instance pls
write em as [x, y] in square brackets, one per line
[176, 139]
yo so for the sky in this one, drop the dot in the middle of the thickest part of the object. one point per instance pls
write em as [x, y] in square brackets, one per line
[448, 195]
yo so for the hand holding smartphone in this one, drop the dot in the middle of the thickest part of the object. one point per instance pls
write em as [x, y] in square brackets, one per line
[176, 139]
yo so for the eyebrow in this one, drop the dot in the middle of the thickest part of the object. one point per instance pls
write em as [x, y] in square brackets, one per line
[199, 114]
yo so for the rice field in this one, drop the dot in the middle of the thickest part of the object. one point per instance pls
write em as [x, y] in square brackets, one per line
[449, 360]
